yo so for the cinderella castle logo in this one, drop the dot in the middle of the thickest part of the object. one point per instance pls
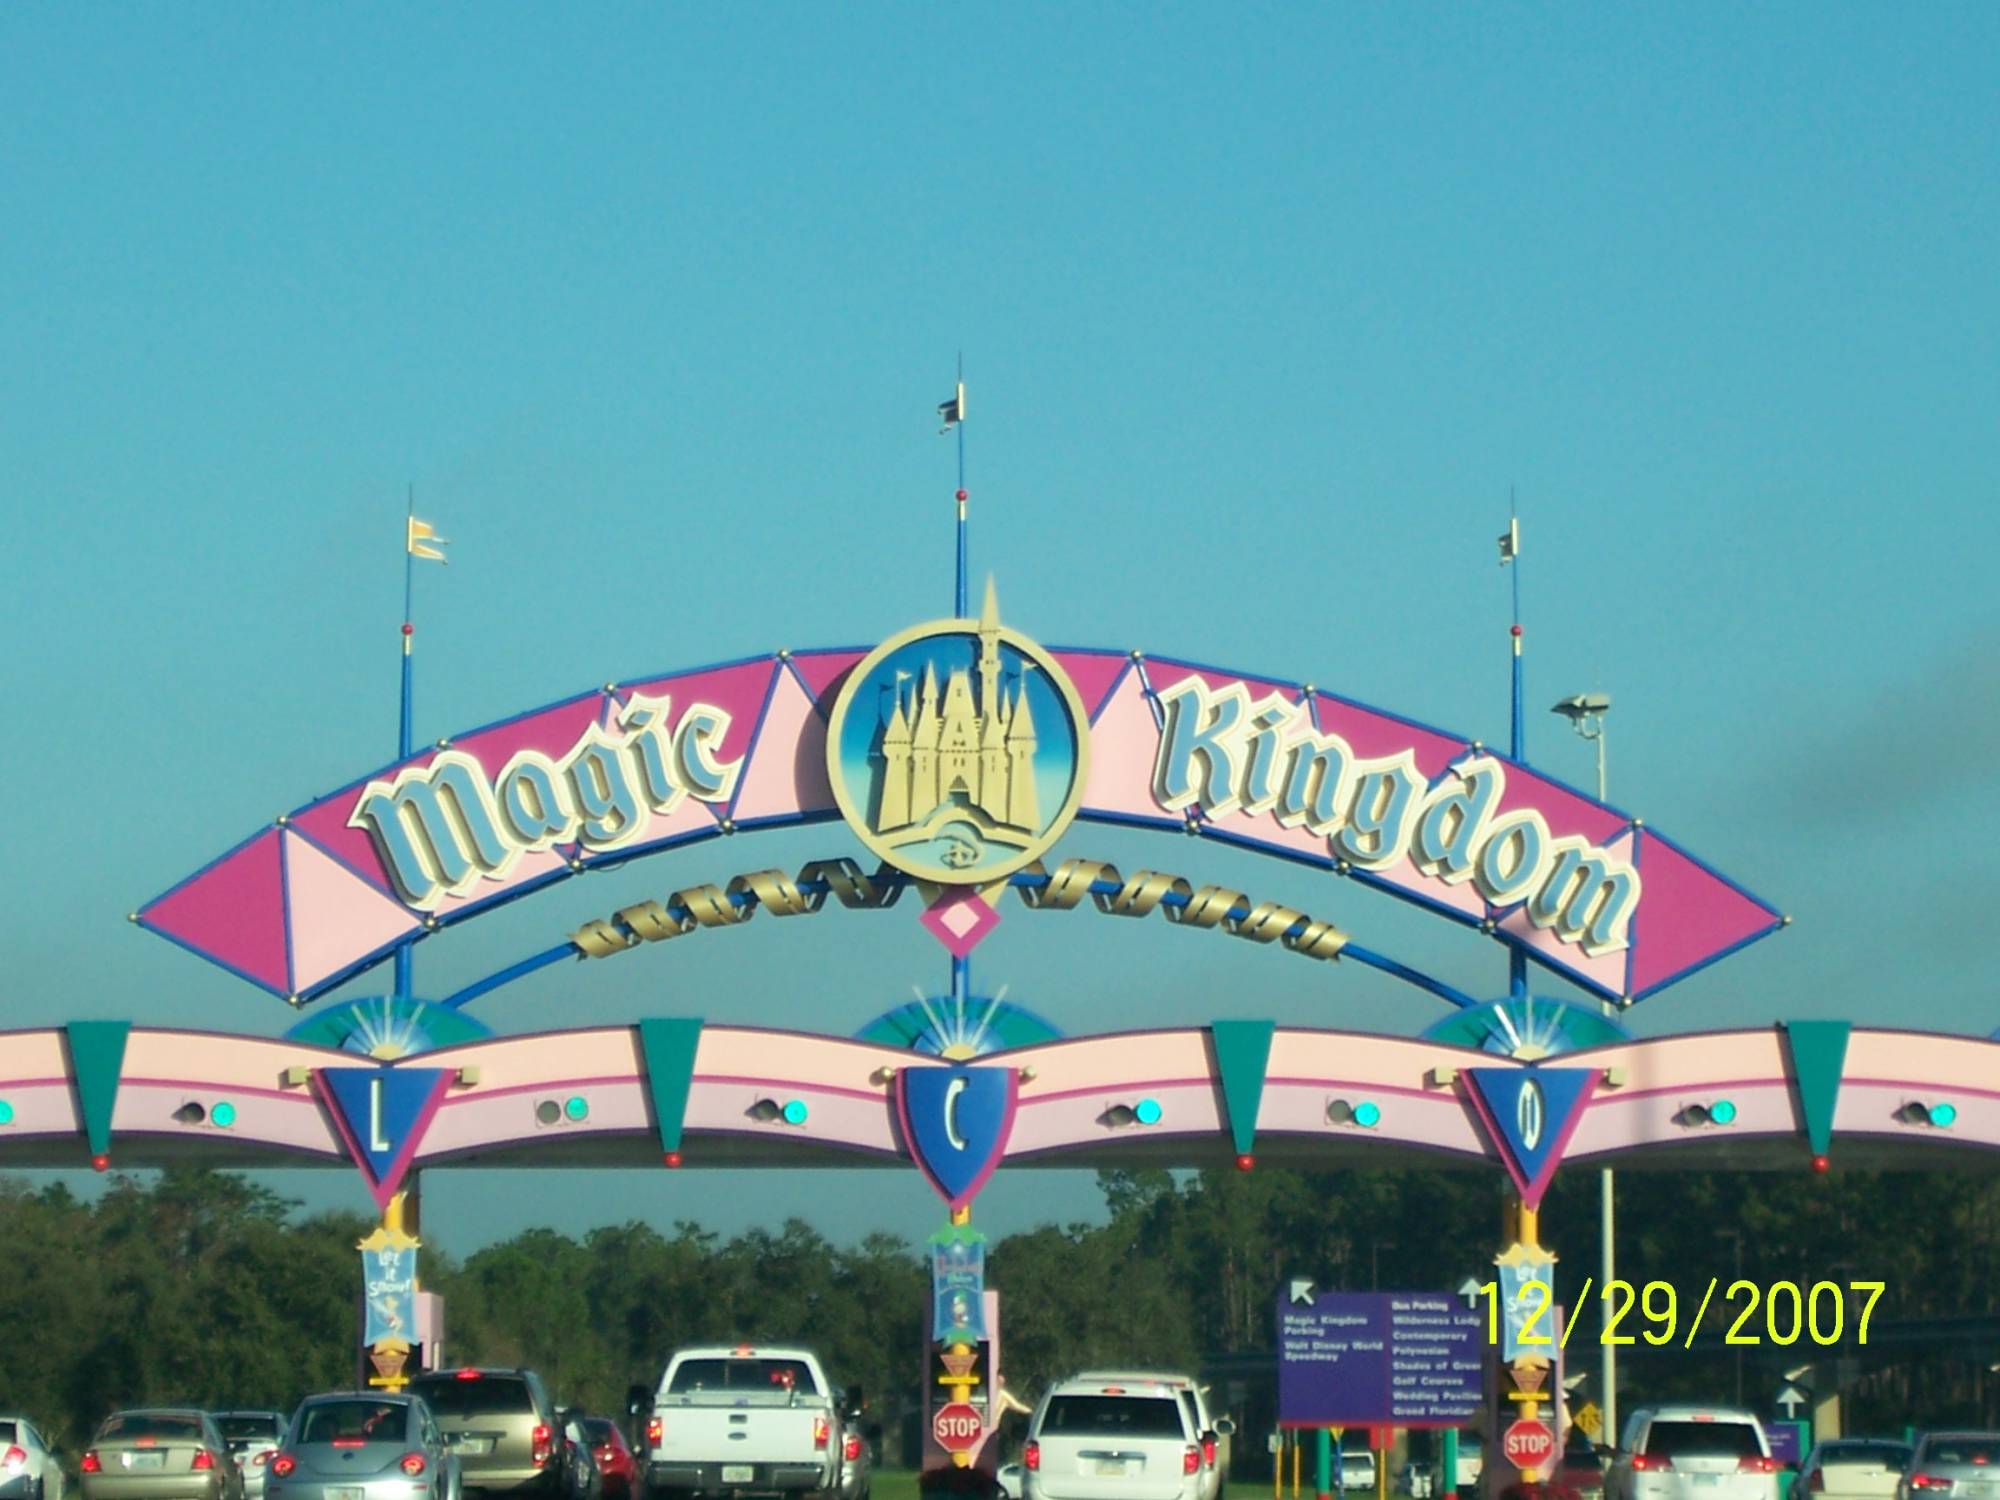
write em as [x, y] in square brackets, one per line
[969, 755]
[940, 731]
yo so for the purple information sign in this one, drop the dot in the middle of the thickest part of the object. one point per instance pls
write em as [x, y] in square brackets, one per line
[1378, 1359]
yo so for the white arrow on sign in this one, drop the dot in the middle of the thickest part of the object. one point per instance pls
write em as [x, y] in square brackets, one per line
[1469, 1289]
[1302, 1289]
[1791, 1398]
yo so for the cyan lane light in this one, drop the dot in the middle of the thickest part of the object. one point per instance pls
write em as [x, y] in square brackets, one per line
[1365, 1113]
[1723, 1112]
[795, 1111]
[577, 1107]
[1942, 1115]
[1147, 1112]
[6, 1112]
[1712, 1112]
[222, 1113]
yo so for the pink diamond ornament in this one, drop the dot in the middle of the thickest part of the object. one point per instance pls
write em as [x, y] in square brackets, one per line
[960, 920]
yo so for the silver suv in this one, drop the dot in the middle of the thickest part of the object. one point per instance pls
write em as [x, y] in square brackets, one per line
[1693, 1453]
[503, 1428]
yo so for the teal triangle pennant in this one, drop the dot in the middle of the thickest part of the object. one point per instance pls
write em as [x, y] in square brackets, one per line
[1818, 1050]
[668, 1045]
[1242, 1053]
[96, 1058]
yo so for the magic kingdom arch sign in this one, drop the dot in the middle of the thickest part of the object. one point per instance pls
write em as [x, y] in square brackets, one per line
[958, 752]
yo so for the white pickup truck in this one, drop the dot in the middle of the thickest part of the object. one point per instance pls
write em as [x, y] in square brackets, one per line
[731, 1420]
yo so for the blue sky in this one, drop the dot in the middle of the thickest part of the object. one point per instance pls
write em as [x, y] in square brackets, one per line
[1264, 310]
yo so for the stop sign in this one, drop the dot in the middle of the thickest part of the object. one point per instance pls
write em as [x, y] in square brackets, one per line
[957, 1428]
[1528, 1444]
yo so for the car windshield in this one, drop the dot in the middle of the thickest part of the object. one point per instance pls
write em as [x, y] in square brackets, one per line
[249, 1427]
[171, 1427]
[1113, 1416]
[1887, 1455]
[602, 1430]
[451, 1396]
[1703, 1439]
[352, 1421]
[785, 1376]
[6, 1432]
[1973, 1448]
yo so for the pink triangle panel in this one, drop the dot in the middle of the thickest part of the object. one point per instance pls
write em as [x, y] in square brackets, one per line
[786, 776]
[738, 691]
[823, 672]
[337, 918]
[1567, 811]
[1094, 673]
[233, 913]
[1687, 915]
[1123, 745]
[1377, 736]
[1604, 973]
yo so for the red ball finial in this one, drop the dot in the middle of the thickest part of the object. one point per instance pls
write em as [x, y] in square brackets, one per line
[408, 628]
[1245, 1162]
[1820, 1163]
[673, 1158]
[961, 494]
[101, 1162]
[1515, 629]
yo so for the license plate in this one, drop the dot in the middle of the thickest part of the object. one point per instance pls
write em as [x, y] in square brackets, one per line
[739, 1473]
[472, 1445]
[153, 1460]
[1707, 1479]
[1111, 1466]
[1978, 1491]
[345, 1492]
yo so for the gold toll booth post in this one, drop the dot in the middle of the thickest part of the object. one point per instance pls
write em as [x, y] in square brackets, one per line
[1522, 1439]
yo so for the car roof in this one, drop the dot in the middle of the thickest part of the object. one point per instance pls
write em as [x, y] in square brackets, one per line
[159, 1411]
[1699, 1413]
[405, 1397]
[1960, 1434]
[1117, 1385]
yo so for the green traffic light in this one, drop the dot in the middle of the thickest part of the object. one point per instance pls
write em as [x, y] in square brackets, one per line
[222, 1113]
[578, 1107]
[1148, 1112]
[1944, 1115]
[1368, 1114]
[795, 1111]
[1723, 1112]
[6, 1112]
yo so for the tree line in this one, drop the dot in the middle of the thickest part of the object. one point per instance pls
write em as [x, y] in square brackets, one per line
[193, 1285]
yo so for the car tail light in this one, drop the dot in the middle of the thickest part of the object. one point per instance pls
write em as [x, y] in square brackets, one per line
[1191, 1459]
[543, 1439]
[1756, 1463]
[283, 1464]
[1651, 1463]
[1031, 1458]
[412, 1464]
[1208, 1451]
[263, 1456]
[92, 1464]
[14, 1458]
[1929, 1482]
[821, 1432]
[350, 1442]
[468, 1375]
[654, 1428]
[203, 1460]
[851, 1448]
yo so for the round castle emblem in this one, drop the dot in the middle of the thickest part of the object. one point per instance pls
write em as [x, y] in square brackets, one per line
[957, 749]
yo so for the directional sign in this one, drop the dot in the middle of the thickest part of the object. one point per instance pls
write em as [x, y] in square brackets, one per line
[1379, 1359]
[1590, 1419]
[1302, 1290]
[957, 1428]
[1791, 1398]
[1528, 1445]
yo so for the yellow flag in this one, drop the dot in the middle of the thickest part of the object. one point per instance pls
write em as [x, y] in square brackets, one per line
[422, 532]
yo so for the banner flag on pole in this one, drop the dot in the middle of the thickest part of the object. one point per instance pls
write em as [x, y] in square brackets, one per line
[421, 532]
[952, 412]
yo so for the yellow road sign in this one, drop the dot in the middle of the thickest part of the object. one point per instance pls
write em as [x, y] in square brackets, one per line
[1590, 1419]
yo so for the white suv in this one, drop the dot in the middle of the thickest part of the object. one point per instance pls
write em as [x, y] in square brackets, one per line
[1693, 1453]
[1209, 1429]
[1113, 1440]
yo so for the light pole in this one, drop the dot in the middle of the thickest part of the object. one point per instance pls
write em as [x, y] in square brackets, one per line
[1375, 1250]
[1585, 713]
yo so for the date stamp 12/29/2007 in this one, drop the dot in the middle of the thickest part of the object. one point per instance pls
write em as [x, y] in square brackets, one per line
[1826, 1313]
